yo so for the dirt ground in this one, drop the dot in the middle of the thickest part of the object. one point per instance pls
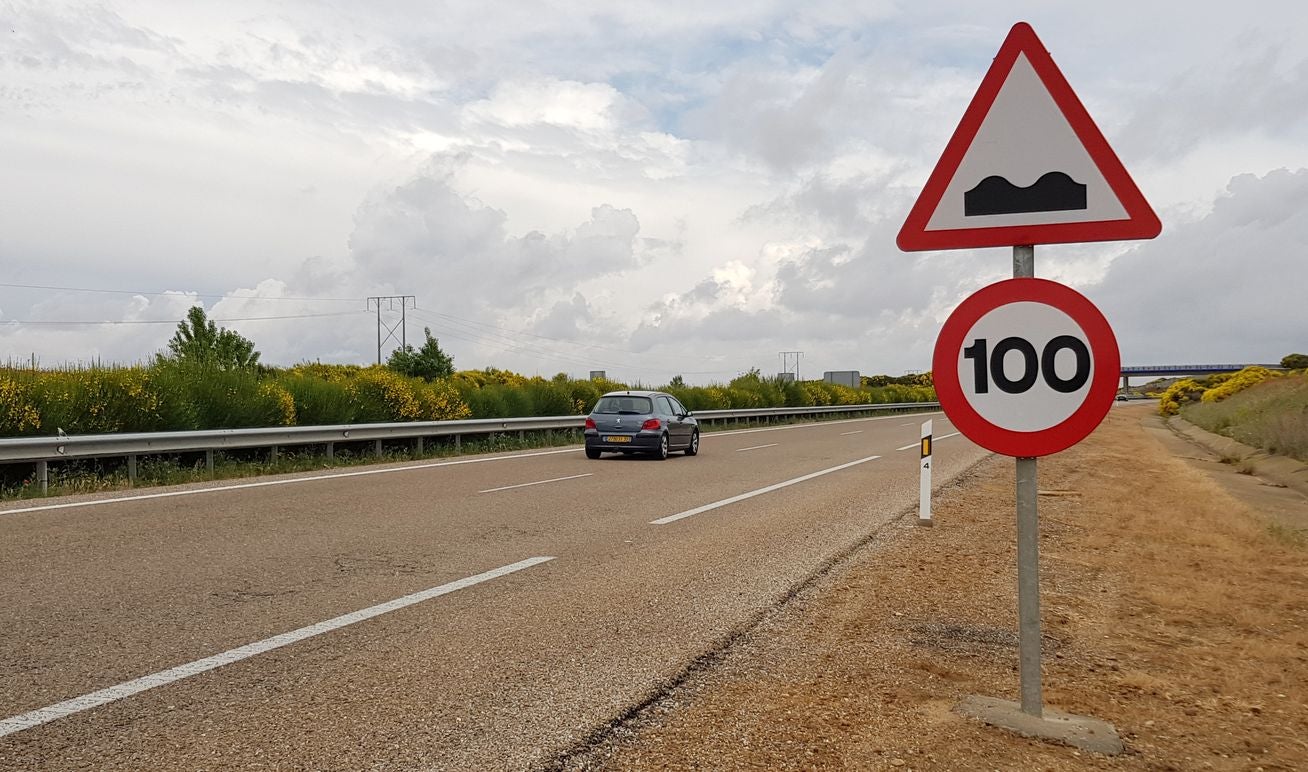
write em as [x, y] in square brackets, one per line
[1174, 596]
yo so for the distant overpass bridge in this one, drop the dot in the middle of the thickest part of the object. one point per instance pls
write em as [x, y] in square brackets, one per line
[1175, 370]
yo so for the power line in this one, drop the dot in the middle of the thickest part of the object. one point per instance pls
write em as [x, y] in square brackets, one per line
[535, 335]
[16, 322]
[544, 355]
[514, 347]
[496, 336]
[176, 293]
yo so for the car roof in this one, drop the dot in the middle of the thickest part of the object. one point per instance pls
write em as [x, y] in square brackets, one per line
[625, 393]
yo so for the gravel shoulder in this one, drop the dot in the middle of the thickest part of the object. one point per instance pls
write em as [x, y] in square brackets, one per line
[1174, 602]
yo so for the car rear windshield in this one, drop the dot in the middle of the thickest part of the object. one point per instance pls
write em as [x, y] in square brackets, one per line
[625, 405]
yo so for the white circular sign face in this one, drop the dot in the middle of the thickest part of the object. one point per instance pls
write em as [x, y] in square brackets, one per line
[1026, 367]
[1005, 368]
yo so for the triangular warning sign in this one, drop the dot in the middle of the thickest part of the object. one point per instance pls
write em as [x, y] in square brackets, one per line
[1026, 165]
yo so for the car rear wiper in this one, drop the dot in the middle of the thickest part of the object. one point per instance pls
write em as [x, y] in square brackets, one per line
[630, 412]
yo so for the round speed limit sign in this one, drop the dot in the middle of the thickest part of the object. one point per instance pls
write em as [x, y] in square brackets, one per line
[1026, 367]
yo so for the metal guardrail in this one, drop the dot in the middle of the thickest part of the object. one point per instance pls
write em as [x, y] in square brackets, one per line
[43, 450]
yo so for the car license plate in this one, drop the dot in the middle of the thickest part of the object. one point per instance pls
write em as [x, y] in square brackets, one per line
[617, 438]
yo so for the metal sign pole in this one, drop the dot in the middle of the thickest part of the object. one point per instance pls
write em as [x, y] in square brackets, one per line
[1028, 549]
[1028, 586]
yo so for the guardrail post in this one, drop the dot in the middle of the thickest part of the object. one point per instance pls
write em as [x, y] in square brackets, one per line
[208, 462]
[272, 454]
[331, 451]
[43, 475]
[522, 435]
[418, 444]
[131, 469]
[379, 448]
[458, 443]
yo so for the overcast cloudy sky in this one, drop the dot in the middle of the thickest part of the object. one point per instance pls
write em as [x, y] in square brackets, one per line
[643, 188]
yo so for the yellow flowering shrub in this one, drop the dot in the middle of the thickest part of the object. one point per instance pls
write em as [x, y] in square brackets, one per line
[1236, 382]
[440, 401]
[1178, 394]
[99, 400]
[844, 395]
[18, 414]
[489, 377]
[385, 395]
[281, 400]
[820, 395]
[330, 373]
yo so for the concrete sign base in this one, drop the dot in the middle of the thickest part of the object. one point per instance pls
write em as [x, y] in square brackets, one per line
[1088, 734]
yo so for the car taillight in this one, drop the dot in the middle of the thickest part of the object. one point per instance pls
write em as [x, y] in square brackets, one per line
[651, 425]
[590, 422]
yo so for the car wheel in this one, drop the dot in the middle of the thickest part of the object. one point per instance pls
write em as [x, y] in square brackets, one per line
[662, 452]
[592, 453]
[693, 448]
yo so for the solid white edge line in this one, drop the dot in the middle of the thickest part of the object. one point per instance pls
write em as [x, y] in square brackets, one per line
[538, 482]
[810, 425]
[759, 492]
[758, 447]
[918, 444]
[291, 481]
[127, 688]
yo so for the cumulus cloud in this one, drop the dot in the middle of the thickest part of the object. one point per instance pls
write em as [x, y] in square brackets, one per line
[426, 233]
[1226, 287]
[1263, 90]
[684, 188]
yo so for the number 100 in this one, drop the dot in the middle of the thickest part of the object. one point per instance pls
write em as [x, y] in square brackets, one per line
[986, 369]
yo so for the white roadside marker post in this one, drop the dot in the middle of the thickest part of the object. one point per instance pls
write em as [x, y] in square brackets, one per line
[924, 486]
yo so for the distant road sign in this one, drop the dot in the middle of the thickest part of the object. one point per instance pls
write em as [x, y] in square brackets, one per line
[1026, 165]
[1026, 367]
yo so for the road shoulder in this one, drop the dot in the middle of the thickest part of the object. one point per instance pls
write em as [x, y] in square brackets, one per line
[1171, 608]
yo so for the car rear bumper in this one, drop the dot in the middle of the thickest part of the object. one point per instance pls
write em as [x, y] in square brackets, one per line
[641, 442]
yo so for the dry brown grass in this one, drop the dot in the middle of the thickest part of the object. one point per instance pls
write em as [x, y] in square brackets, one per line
[1169, 609]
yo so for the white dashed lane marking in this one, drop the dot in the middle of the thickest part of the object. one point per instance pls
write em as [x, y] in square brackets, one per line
[538, 482]
[128, 688]
[758, 492]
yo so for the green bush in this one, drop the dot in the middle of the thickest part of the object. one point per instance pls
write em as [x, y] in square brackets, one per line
[215, 398]
[320, 402]
[177, 395]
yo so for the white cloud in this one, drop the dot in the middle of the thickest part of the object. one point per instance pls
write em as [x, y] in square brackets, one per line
[646, 189]
[1226, 287]
[568, 104]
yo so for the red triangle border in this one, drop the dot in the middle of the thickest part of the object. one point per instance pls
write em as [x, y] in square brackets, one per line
[1141, 222]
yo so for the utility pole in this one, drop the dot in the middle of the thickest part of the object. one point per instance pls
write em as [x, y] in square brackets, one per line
[403, 302]
[785, 362]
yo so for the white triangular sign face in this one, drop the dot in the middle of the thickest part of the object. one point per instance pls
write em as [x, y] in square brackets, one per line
[1026, 165]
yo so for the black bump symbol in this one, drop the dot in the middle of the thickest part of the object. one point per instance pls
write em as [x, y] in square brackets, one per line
[1053, 192]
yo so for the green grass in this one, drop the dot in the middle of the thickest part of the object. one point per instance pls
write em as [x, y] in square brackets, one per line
[1272, 416]
[1290, 537]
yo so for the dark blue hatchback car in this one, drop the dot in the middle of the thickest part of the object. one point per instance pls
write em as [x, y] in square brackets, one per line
[640, 422]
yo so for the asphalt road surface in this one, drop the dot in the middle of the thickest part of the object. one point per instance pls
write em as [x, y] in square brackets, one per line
[478, 613]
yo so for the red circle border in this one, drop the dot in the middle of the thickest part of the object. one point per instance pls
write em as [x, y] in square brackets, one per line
[1073, 429]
